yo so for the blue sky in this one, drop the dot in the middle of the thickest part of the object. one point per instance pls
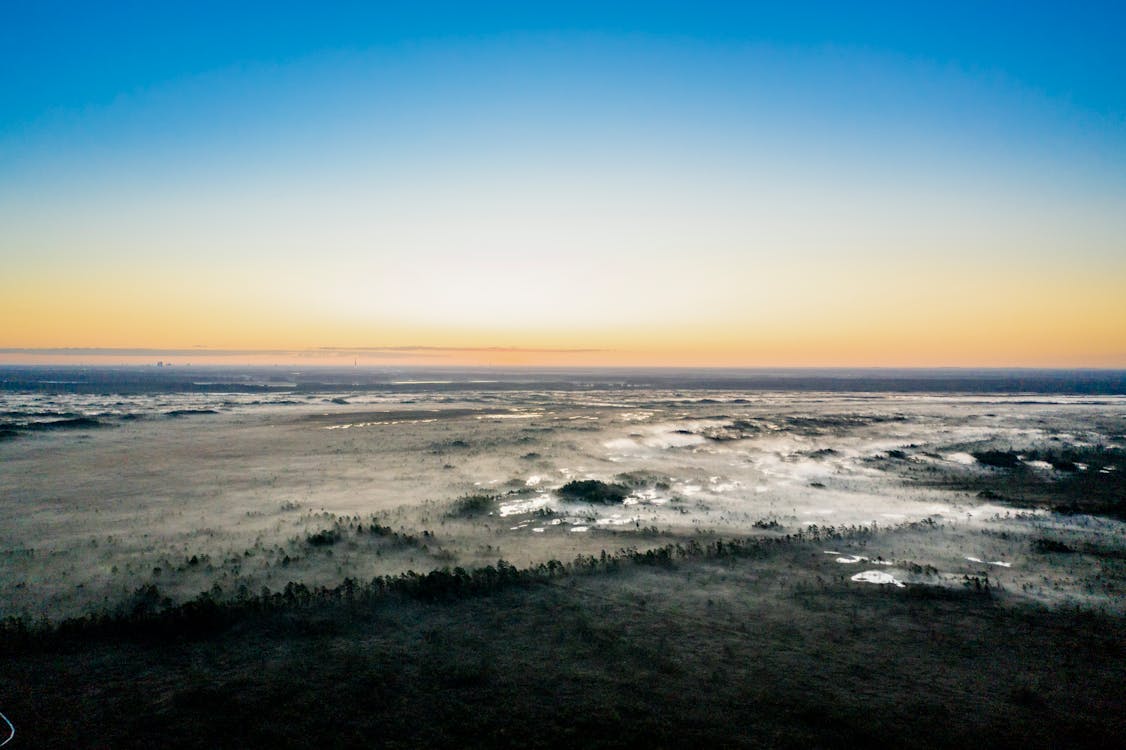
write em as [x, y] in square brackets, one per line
[75, 54]
[474, 152]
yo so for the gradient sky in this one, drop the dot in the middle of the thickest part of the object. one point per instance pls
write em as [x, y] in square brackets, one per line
[884, 184]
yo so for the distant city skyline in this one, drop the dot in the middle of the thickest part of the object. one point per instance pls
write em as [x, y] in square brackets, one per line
[647, 184]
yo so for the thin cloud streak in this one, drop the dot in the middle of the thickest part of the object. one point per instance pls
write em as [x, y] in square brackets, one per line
[514, 349]
[382, 351]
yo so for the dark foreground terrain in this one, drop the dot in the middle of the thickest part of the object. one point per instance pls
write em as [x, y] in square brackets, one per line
[766, 644]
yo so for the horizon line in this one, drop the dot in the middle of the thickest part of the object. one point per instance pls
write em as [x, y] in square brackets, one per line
[508, 368]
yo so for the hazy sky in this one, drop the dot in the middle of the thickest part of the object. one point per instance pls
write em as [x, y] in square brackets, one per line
[657, 183]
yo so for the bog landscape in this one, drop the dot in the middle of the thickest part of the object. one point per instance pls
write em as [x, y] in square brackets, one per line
[534, 558]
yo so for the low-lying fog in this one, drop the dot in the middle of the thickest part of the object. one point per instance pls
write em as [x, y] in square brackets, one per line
[219, 493]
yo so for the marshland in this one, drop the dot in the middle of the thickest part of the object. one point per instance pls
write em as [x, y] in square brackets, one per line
[521, 565]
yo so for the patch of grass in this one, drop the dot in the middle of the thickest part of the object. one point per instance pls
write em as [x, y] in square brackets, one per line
[445, 445]
[594, 491]
[997, 459]
[638, 479]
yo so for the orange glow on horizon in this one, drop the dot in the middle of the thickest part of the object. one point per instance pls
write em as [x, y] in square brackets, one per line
[903, 317]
